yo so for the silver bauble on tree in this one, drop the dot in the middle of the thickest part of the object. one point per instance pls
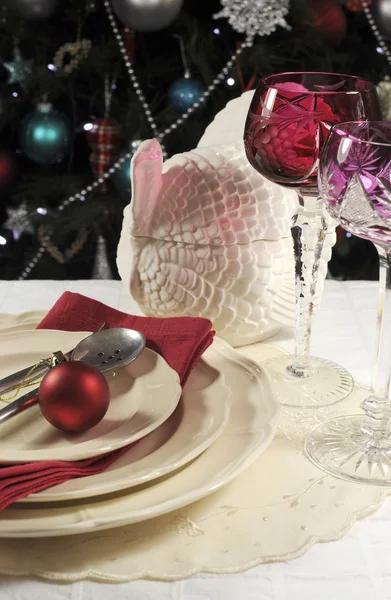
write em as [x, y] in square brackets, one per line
[381, 11]
[147, 15]
[34, 9]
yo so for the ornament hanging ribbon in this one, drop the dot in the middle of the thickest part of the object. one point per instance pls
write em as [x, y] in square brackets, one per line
[55, 359]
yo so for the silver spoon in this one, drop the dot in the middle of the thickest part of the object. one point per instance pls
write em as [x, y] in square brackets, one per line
[116, 341]
[106, 350]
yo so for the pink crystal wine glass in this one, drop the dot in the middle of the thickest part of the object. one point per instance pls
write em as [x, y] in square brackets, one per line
[355, 184]
[287, 125]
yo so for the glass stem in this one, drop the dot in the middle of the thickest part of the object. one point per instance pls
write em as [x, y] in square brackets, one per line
[378, 405]
[309, 229]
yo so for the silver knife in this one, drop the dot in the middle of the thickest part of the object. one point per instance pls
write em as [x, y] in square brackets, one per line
[19, 405]
[12, 381]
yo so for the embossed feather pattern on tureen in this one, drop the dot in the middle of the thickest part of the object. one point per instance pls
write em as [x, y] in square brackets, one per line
[206, 235]
[207, 196]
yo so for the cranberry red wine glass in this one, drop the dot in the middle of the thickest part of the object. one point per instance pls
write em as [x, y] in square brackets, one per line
[287, 125]
[355, 183]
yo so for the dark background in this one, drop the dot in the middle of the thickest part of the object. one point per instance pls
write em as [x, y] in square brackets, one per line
[324, 35]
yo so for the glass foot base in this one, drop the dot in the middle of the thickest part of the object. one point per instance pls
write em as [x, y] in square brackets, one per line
[328, 383]
[352, 448]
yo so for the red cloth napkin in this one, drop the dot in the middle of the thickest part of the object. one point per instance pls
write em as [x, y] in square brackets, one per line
[181, 342]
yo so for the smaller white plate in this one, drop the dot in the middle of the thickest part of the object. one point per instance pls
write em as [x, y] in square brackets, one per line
[143, 395]
[200, 418]
[12, 323]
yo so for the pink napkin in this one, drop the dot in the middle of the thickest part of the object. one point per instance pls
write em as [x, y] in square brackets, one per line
[181, 342]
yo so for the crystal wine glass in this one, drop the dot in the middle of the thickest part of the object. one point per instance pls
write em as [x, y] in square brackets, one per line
[355, 183]
[287, 125]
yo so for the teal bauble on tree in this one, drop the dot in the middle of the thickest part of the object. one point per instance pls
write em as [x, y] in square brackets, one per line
[45, 135]
[33, 9]
[187, 91]
[121, 177]
[184, 93]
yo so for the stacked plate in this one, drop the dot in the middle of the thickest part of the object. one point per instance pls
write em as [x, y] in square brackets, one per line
[190, 442]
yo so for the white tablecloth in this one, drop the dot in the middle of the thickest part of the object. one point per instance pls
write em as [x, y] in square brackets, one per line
[357, 567]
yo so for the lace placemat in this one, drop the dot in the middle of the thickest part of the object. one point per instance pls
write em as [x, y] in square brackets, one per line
[275, 511]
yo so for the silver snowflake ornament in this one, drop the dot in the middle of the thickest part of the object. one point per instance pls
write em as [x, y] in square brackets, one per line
[254, 17]
[19, 221]
[19, 69]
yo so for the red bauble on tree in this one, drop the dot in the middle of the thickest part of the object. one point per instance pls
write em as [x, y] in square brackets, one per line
[104, 139]
[8, 171]
[328, 20]
[74, 396]
[357, 5]
[130, 42]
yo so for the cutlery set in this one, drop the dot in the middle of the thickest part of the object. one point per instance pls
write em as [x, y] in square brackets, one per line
[107, 350]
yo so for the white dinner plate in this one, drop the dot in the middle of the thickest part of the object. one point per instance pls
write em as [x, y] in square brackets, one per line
[142, 396]
[251, 427]
[201, 416]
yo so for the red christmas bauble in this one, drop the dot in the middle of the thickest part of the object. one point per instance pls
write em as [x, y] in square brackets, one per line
[8, 171]
[74, 396]
[130, 43]
[356, 5]
[328, 20]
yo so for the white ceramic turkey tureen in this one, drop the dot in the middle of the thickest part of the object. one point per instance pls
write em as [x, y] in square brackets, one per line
[206, 235]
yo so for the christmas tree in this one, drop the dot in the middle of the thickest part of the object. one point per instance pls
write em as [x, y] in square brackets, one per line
[82, 83]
